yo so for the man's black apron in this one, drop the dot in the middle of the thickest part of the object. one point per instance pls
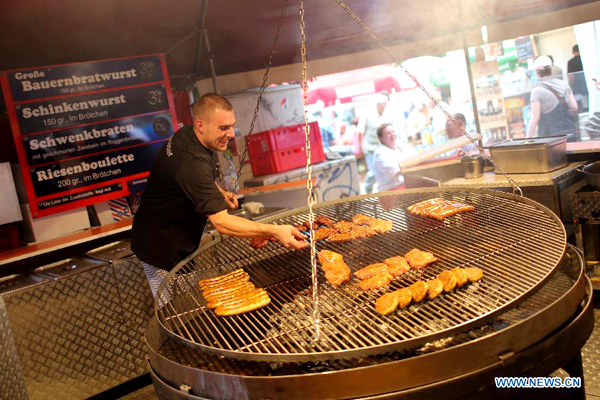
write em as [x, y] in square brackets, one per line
[558, 121]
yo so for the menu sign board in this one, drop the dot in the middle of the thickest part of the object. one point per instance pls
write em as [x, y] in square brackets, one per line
[524, 48]
[84, 131]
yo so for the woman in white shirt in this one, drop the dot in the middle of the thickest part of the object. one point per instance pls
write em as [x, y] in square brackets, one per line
[386, 159]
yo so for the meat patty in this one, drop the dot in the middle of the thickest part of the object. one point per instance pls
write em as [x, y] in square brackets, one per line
[397, 265]
[343, 225]
[322, 220]
[419, 259]
[361, 219]
[259, 243]
[329, 256]
[474, 274]
[339, 237]
[361, 232]
[404, 297]
[307, 225]
[386, 304]
[375, 282]
[336, 270]
[323, 233]
[461, 276]
[381, 225]
[449, 280]
[436, 287]
[372, 270]
[418, 290]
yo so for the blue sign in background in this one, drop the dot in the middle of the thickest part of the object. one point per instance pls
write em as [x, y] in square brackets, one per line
[143, 158]
[103, 74]
[126, 102]
[61, 145]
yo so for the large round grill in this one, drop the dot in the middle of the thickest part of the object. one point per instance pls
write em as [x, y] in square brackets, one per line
[517, 242]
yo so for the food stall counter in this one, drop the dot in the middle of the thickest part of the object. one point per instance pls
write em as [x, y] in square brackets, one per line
[491, 179]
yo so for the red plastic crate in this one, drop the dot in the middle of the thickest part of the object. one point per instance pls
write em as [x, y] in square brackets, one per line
[283, 149]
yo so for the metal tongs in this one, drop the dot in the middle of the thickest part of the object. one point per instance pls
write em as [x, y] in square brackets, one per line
[308, 239]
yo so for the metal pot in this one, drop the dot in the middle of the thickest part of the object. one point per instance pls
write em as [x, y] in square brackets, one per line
[592, 174]
[472, 166]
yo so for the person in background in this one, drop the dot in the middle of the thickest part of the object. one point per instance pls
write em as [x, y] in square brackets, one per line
[181, 195]
[438, 118]
[577, 79]
[455, 132]
[386, 159]
[552, 103]
[418, 122]
[557, 72]
[326, 128]
[370, 139]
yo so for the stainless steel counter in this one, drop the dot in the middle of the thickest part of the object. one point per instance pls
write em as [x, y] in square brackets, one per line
[491, 179]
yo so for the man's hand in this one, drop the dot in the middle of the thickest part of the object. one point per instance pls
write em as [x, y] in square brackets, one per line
[231, 200]
[289, 237]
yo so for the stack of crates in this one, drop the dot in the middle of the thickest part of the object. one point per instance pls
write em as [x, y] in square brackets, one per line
[283, 149]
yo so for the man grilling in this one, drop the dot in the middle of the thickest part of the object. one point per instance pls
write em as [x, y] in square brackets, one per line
[181, 194]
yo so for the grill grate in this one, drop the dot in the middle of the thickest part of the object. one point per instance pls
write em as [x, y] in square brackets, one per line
[549, 293]
[517, 244]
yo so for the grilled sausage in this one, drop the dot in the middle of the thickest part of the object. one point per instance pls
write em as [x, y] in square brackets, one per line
[386, 304]
[436, 287]
[404, 297]
[474, 274]
[418, 290]
[460, 275]
[449, 281]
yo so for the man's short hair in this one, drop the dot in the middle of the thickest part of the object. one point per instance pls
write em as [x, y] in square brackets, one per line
[381, 128]
[576, 48]
[460, 117]
[208, 103]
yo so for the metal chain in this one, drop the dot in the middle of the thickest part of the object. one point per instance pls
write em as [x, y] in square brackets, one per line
[516, 189]
[259, 99]
[309, 182]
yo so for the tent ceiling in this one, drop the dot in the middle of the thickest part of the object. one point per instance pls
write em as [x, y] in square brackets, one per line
[36, 32]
